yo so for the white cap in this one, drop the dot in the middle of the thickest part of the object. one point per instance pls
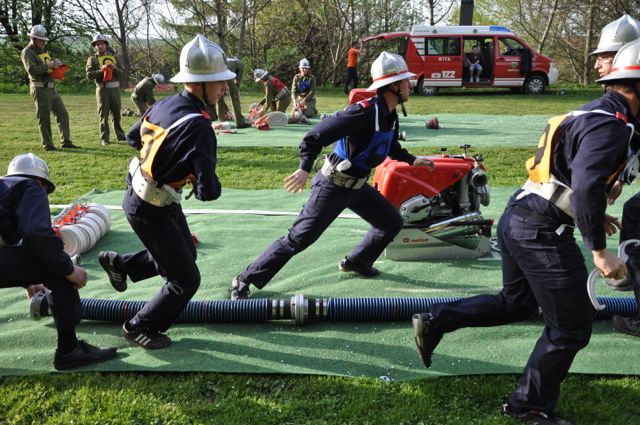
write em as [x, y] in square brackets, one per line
[39, 32]
[388, 68]
[616, 34]
[626, 64]
[202, 60]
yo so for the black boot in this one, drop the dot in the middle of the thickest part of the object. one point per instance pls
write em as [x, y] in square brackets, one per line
[427, 338]
[350, 266]
[84, 354]
[534, 417]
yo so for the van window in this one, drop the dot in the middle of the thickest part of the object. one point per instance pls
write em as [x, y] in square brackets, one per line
[443, 46]
[395, 45]
[510, 47]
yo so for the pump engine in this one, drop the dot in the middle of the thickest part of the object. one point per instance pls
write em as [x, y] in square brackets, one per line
[440, 207]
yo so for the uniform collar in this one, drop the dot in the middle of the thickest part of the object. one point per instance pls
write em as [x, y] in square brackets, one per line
[382, 106]
[193, 98]
[36, 48]
[618, 100]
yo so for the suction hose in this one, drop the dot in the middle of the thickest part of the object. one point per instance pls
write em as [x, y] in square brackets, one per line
[298, 309]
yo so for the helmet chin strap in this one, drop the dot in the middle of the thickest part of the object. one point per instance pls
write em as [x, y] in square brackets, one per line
[398, 93]
[636, 91]
[204, 95]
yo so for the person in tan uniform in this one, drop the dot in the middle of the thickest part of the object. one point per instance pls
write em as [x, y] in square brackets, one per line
[277, 96]
[103, 68]
[303, 91]
[39, 65]
[142, 95]
[237, 66]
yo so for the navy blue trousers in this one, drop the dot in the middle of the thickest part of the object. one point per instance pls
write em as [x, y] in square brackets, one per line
[169, 252]
[631, 230]
[324, 205]
[18, 268]
[539, 269]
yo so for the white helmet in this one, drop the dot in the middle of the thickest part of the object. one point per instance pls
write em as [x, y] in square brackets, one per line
[39, 32]
[616, 34]
[259, 74]
[99, 37]
[626, 64]
[388, 68]
[202, 60]
[304, 63]
[157, 78]
[29, 165]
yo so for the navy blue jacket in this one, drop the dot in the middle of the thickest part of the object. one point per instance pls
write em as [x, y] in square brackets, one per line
[190, 148]
[25, 214]
[357, 124]
[592, 148]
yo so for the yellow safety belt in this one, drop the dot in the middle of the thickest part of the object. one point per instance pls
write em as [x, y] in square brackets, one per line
[152, 137]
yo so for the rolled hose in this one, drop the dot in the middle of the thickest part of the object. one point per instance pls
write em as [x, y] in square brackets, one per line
[299, 309]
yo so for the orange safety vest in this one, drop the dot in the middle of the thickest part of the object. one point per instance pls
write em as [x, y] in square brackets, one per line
[152, 137]
[539, 167]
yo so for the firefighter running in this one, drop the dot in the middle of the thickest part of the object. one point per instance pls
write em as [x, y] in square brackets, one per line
[365, 134]
[579, 157]
[177, 145]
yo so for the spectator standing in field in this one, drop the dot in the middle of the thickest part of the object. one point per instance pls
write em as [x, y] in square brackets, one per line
[104, 69]
[38, 64]
[352, 67]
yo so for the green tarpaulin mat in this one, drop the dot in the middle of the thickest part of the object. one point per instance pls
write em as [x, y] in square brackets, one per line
[456, 129]
[231, 241]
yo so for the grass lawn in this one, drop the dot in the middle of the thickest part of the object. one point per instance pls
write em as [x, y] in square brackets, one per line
[204, 398]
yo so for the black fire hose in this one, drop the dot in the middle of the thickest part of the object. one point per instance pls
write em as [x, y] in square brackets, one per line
[299, 309]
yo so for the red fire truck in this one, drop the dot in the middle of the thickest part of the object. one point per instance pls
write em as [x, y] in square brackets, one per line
[440, 57]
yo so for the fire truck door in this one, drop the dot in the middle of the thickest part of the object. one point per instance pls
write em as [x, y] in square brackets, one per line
[442, 61]
[507, 69]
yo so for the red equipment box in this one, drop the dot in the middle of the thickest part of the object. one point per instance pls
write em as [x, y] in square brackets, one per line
[357, 95]
[399, 181]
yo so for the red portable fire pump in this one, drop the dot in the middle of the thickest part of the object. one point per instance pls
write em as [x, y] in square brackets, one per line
[440, 207]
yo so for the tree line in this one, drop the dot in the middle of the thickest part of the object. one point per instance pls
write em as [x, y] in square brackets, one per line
[276, 34]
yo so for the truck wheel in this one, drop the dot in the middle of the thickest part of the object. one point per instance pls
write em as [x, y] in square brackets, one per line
[535, 84]
[426, 90]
